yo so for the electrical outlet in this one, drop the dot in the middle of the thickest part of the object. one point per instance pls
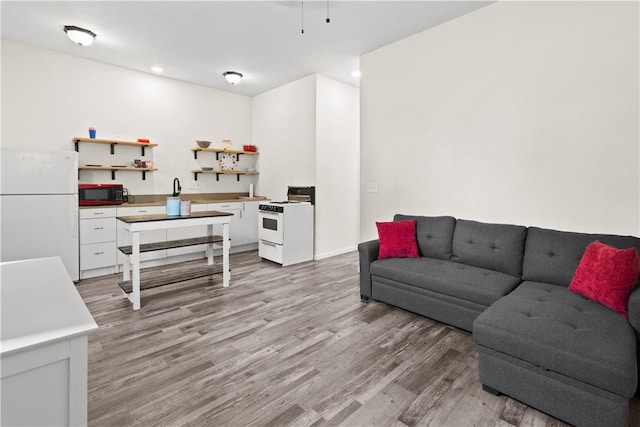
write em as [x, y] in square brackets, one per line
[194, 185]
[372, 187]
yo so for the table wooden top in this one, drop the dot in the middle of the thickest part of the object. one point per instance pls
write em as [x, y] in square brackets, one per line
[164, 217]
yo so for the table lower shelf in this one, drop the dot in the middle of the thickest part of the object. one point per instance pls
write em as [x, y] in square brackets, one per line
[155, 278]
[170, 244]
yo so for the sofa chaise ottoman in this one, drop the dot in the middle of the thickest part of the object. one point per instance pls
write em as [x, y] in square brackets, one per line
[553, 349]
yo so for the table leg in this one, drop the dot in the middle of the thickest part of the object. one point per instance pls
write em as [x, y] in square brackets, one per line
[225, 255]
[135, 260]
[210, 245]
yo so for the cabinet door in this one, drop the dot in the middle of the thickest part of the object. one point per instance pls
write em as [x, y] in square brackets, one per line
[124, 239]
[235, 228]
[188, 232]
[250, 222]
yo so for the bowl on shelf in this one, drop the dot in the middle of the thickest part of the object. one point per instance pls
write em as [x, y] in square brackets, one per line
[203, 144]
[207, 168]
[251, 148]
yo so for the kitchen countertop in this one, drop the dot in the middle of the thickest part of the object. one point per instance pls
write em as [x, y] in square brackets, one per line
[196, 199]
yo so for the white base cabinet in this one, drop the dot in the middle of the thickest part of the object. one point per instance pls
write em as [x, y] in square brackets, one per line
[97, 242]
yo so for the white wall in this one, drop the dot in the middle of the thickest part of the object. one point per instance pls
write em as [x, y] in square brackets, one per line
[337, 166]
[48, 98]
[284, 130]
[519, 112]
[308, 133]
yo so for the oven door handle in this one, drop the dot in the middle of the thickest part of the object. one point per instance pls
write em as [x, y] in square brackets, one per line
[270, 213]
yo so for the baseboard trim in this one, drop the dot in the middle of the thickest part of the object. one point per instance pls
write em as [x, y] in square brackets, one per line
[330, 254]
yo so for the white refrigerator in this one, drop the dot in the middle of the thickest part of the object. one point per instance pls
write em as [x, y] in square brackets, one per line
[39, 206]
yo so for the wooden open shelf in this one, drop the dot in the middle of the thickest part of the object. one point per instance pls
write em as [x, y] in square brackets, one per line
[221, 172]
[113, 170]
[112, 143]
[222, 150]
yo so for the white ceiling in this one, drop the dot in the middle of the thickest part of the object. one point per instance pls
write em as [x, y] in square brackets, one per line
[196, 41]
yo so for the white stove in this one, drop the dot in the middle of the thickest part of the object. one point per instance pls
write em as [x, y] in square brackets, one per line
[286, 232]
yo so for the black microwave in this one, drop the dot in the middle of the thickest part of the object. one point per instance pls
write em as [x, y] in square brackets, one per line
[100, 194]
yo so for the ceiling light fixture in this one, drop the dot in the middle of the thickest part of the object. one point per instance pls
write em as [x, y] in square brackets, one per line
[79, 35]
[232, 77]
[156, 69]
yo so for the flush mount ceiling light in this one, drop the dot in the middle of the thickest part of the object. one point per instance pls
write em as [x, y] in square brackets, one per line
[232, 77]
[79, 35]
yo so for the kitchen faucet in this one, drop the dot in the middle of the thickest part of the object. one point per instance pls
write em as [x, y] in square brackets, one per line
[176, 193]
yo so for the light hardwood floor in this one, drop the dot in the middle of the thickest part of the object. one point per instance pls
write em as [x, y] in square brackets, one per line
[282, 346]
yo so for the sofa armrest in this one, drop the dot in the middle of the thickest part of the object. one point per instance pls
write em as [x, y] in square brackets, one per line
[368, 253]
[634, 309]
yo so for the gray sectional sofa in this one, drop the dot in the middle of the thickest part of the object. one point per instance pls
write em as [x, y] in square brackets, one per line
[538, 342]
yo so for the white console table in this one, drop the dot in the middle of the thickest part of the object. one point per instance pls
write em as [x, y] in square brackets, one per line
[43, 345]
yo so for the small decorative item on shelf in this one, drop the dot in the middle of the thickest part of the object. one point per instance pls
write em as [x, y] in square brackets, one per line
[203, 144]
[250, 148]
[143, 140]
[148, 164]
[137, 163]
[250, 169]
[226, 144]
[92, 132]
[207, 168]
[228, 162]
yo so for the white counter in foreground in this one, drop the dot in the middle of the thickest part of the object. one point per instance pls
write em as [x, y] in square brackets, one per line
[43, 345]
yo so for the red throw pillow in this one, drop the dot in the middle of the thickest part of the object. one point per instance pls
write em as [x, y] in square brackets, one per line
[397, 239]
[607, 275]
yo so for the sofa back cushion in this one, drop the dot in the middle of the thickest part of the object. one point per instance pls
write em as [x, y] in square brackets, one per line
[434, 234]
[552, 256]
[496, 247]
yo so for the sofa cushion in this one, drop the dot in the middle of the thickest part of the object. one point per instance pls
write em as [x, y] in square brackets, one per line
[552, 256]
[607, 275]
[397, 239]
[496, 247]
[555, 329]
[466, 282]
[434, 234]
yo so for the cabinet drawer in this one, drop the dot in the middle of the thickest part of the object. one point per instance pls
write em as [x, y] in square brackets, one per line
[97, 213]
[97, 230]
[271, 251]
[97, 255]
[223, 207]
[141, 210]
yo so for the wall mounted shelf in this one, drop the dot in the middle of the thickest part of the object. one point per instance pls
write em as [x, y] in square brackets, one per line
[113, 170]
[222, 150]
[112, 143]
[220, 172]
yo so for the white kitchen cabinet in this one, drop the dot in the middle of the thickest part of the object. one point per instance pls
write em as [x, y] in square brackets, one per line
[152, 236]
[186, 233]
[235, 228]
[250, 222]
[97, 242]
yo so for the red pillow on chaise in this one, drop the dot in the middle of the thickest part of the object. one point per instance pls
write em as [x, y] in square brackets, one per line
[607, 275]
[397, 239]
